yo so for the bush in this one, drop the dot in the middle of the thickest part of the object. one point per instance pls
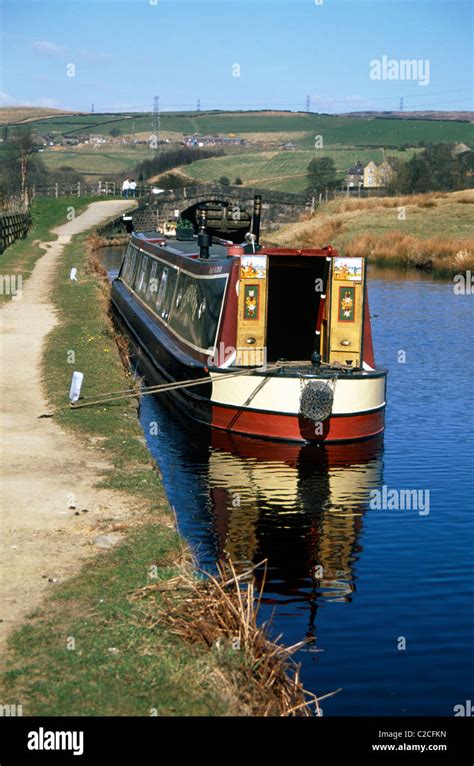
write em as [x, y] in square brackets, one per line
[171, 181]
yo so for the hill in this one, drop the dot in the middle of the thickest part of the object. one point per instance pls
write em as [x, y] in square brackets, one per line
[433, 231]
[15, 115]
[260, 160]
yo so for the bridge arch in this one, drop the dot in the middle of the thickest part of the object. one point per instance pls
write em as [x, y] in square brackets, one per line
[225, 219]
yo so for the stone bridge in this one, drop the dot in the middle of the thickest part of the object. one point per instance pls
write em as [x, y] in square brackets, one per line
[277, 207]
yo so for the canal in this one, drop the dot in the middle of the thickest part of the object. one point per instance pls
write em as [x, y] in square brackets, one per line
[384, 595]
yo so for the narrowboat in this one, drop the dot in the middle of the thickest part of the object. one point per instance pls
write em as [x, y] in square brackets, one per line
[271, 342]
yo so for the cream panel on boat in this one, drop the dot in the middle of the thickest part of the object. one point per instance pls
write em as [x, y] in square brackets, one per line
[283, 394]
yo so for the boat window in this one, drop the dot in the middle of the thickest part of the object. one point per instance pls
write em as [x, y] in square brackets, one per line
[162, 288]
[141, 281]
[152, 286]
[130, 262]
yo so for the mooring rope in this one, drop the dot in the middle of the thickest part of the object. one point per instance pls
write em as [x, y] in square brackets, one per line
[129, 393]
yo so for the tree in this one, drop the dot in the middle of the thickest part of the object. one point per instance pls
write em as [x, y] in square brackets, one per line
[171, 181]
[321, 175]
[115, 132]
[238, 181]
[414, 176]
[66, 175]
[436, 168]
[224, 181]
[23, 167]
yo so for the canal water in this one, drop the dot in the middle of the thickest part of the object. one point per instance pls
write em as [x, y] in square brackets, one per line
[385, 596]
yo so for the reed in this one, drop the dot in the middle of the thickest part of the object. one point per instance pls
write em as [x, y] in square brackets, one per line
[97, 240]
[220, 613]
[442, 255]
[428, 199]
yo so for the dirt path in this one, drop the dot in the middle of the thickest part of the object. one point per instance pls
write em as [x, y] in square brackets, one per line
[42, 540]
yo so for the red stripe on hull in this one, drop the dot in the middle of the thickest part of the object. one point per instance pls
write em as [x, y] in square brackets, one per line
[292, 428]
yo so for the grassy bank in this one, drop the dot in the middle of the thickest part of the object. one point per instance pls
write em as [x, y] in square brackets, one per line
[46, 214]
[105, 642]
[430, 231]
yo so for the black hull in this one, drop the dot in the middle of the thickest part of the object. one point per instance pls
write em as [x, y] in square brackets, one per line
[159, 359]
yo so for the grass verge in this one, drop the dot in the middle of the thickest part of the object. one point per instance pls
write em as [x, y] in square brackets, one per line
[21, 256]
[95, 647]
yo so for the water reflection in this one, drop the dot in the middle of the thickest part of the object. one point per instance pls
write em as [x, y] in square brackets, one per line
[300, 508]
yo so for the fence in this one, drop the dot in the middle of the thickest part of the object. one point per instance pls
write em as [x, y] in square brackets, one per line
[12, 227]
[79, 189]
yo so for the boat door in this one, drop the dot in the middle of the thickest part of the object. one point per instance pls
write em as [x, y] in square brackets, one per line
[346, 312]
[252, 311]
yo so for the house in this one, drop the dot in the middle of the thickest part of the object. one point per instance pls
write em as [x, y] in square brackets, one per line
[355, 176]
[42, 139]
[196, 140]
[377, 176]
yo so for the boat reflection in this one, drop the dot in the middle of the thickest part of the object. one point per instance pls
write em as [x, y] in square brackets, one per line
[299, 507]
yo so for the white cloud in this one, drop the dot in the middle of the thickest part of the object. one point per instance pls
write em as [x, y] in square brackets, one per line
[86, 54]
[47, 48]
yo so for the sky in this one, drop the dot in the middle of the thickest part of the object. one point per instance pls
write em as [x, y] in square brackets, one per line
[234, 54]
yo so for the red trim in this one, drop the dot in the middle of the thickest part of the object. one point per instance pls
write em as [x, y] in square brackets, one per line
[228, 329]
[294, 428]
[367, 343]
[305, 251]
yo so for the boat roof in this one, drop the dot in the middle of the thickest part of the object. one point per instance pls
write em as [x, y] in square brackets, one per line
[219, 247]
[182, 247]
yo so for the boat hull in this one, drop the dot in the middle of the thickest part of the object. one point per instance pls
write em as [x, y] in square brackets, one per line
[257, 404]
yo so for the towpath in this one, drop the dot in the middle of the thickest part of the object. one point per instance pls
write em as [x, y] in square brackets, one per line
[42, 540]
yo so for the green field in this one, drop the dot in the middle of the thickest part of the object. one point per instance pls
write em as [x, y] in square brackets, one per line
[279, 170]
[111, 159]
[356, 131]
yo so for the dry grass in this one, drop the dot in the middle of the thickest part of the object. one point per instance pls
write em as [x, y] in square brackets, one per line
[377, 203]
[99, 241]
[444, 256]
[18, 114]
[219, 613]
[433, 231]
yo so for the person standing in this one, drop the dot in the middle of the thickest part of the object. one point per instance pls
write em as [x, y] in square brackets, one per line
[125, 188]
[133, 187]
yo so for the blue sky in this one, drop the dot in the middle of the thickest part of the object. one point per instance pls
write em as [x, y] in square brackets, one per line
[126, 51]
